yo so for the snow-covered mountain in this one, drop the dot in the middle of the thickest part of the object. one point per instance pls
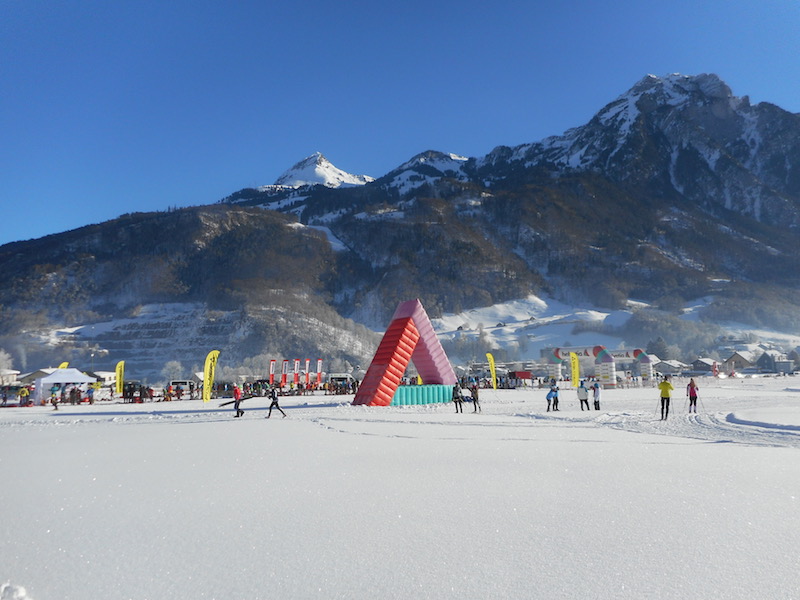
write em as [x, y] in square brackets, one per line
[425, 168]
[673, 192]
[318, 170]
[685, 136]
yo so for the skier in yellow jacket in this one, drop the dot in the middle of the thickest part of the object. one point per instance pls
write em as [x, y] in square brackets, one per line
[666, 388]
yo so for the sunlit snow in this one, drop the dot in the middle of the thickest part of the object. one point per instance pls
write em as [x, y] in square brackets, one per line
[182, 501]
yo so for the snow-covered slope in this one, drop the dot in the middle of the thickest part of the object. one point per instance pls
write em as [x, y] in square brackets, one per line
[318, 170]
[525, 327]
[425, 168]
[179, 500]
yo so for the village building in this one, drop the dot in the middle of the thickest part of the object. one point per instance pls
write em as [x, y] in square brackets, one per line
[739, 361]
[670, 367]
[30, 378]
[773, 361]
[704, 365]
[8, 377]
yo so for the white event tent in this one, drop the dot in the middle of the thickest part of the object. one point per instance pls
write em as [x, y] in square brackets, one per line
[60, 376]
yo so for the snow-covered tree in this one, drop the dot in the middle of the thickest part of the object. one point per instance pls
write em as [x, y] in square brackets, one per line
[172, 370]
[6, 362]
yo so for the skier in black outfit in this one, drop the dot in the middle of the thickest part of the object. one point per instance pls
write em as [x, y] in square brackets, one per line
[458, 399]
[273, 395]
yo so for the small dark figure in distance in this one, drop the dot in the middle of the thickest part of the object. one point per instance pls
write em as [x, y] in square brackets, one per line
[458, 399]
[273, 396]
[476, 405]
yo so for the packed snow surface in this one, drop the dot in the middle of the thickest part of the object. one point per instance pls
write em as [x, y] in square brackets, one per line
[181, 500]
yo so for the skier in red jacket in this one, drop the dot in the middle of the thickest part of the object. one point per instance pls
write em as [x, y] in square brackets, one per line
[237, 398]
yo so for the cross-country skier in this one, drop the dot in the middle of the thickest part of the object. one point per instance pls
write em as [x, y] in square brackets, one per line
[237, 398]
[691, 391]
[666, 388]
[273, 396]
[596, 389]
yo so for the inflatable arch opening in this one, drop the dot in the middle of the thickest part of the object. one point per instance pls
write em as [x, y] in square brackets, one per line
[604, 360]
[409, 337]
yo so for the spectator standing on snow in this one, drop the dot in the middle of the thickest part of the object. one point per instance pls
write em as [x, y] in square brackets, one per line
[54, 395]
[476, 406]
[666, 389]
[458, 399]
[273, 396]
[596, 392]
[691, 391]
[552, 397]
[237, 398]
[583, 395]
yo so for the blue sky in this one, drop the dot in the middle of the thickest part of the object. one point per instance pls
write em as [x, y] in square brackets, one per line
[115, 107]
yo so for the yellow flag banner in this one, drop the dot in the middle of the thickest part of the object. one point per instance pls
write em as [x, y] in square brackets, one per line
[120, 371]
[63, 365]
[576, 368]
[490, 358]
[208, 374]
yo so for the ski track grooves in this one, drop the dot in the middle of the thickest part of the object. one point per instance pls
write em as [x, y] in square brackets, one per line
[716, 428]
[720, 427]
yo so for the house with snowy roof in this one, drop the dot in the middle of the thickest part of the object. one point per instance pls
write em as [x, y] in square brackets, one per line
[774, 361]
[670, 367]
[704, 365]
[29, 378]
[739, 360]
[8, 376]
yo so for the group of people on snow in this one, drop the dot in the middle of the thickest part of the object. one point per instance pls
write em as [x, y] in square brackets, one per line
[238, 397]
[459, 396]
[583, 395]
[666, 388]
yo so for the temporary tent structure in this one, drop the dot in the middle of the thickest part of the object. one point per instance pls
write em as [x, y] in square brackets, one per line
[60, 376]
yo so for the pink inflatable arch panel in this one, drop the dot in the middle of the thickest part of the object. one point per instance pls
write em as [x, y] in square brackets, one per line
[409, 333]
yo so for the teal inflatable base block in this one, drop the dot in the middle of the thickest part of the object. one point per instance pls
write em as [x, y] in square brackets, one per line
[422, 394]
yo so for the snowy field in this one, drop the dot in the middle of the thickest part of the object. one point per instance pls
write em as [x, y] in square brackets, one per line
[182, 501]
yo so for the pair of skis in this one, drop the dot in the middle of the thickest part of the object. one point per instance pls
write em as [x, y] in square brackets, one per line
[243, 398]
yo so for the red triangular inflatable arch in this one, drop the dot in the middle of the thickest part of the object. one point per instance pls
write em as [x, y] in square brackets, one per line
[410, 336]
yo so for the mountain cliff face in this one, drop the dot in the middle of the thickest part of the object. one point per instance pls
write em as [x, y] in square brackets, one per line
[151, 288]
[681, 137]
[674, 191]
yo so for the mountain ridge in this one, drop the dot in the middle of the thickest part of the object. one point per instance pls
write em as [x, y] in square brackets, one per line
[675, 190]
